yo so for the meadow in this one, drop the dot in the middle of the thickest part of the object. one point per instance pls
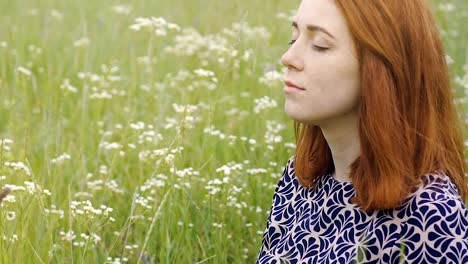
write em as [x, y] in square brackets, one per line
[151, 131]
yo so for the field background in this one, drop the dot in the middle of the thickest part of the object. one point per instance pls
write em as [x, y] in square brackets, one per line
[151, 143]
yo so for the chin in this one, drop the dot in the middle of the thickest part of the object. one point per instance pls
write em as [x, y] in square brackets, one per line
[297, 114]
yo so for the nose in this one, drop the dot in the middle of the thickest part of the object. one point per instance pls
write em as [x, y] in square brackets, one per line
[291, 58]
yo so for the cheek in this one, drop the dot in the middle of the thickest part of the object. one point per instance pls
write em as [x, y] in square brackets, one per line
[331, 69]
[333, 89]
[334, 75]
[339, 87]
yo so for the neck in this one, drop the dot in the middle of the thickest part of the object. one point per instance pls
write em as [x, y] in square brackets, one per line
[342, 136]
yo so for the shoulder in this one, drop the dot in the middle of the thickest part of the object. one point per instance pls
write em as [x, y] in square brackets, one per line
[436, 188]
[438, 185]
[435, 191]
[434, 223]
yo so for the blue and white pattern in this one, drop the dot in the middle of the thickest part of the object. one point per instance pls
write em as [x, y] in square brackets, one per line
[321, 225]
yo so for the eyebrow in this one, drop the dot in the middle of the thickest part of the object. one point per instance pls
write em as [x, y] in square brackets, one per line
[314, 28]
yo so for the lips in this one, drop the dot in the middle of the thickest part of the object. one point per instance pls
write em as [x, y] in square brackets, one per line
[293, 85]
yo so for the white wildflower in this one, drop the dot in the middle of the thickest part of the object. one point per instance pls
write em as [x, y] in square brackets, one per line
[69, 236]
[203, 73]
[288, 16]
[158, 24]
[23, 70]
[56, 14]
[11, 239]
[14, 187]
[68, 87]
[244, 29]
[82, 42]
[10, 215]
[448, 59]
[272, 134]
[17, 166]
[110, 145]
[256, 171]
[61, 158]
[184, 108]
[32, 187]
[79, 243]
[122, 9]
[271, 78]
[264, 103]
[138, 125]
[446, 7]
[219, 225]
[54, 210]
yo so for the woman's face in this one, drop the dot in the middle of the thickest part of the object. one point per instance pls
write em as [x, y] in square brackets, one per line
[323, 65]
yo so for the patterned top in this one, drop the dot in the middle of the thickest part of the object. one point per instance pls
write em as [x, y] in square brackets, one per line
[321, 225]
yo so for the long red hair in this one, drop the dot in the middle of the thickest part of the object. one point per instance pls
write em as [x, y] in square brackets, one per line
[409, 124]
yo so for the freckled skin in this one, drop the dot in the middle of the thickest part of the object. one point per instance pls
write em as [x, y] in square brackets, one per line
[331, 78]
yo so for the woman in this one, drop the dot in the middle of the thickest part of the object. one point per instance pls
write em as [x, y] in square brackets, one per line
[378, 173]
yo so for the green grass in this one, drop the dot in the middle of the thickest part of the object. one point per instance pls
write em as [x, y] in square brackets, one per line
[156, 206]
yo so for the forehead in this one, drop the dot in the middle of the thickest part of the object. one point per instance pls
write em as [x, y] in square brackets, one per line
[324, 13]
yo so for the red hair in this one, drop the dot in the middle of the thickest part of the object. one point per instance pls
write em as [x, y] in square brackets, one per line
[408, 120]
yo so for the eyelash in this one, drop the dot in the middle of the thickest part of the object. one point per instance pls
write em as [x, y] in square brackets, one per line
[317, 48]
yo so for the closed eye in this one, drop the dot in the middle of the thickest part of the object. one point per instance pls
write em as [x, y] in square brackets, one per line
[315, 47]
[319, 49]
